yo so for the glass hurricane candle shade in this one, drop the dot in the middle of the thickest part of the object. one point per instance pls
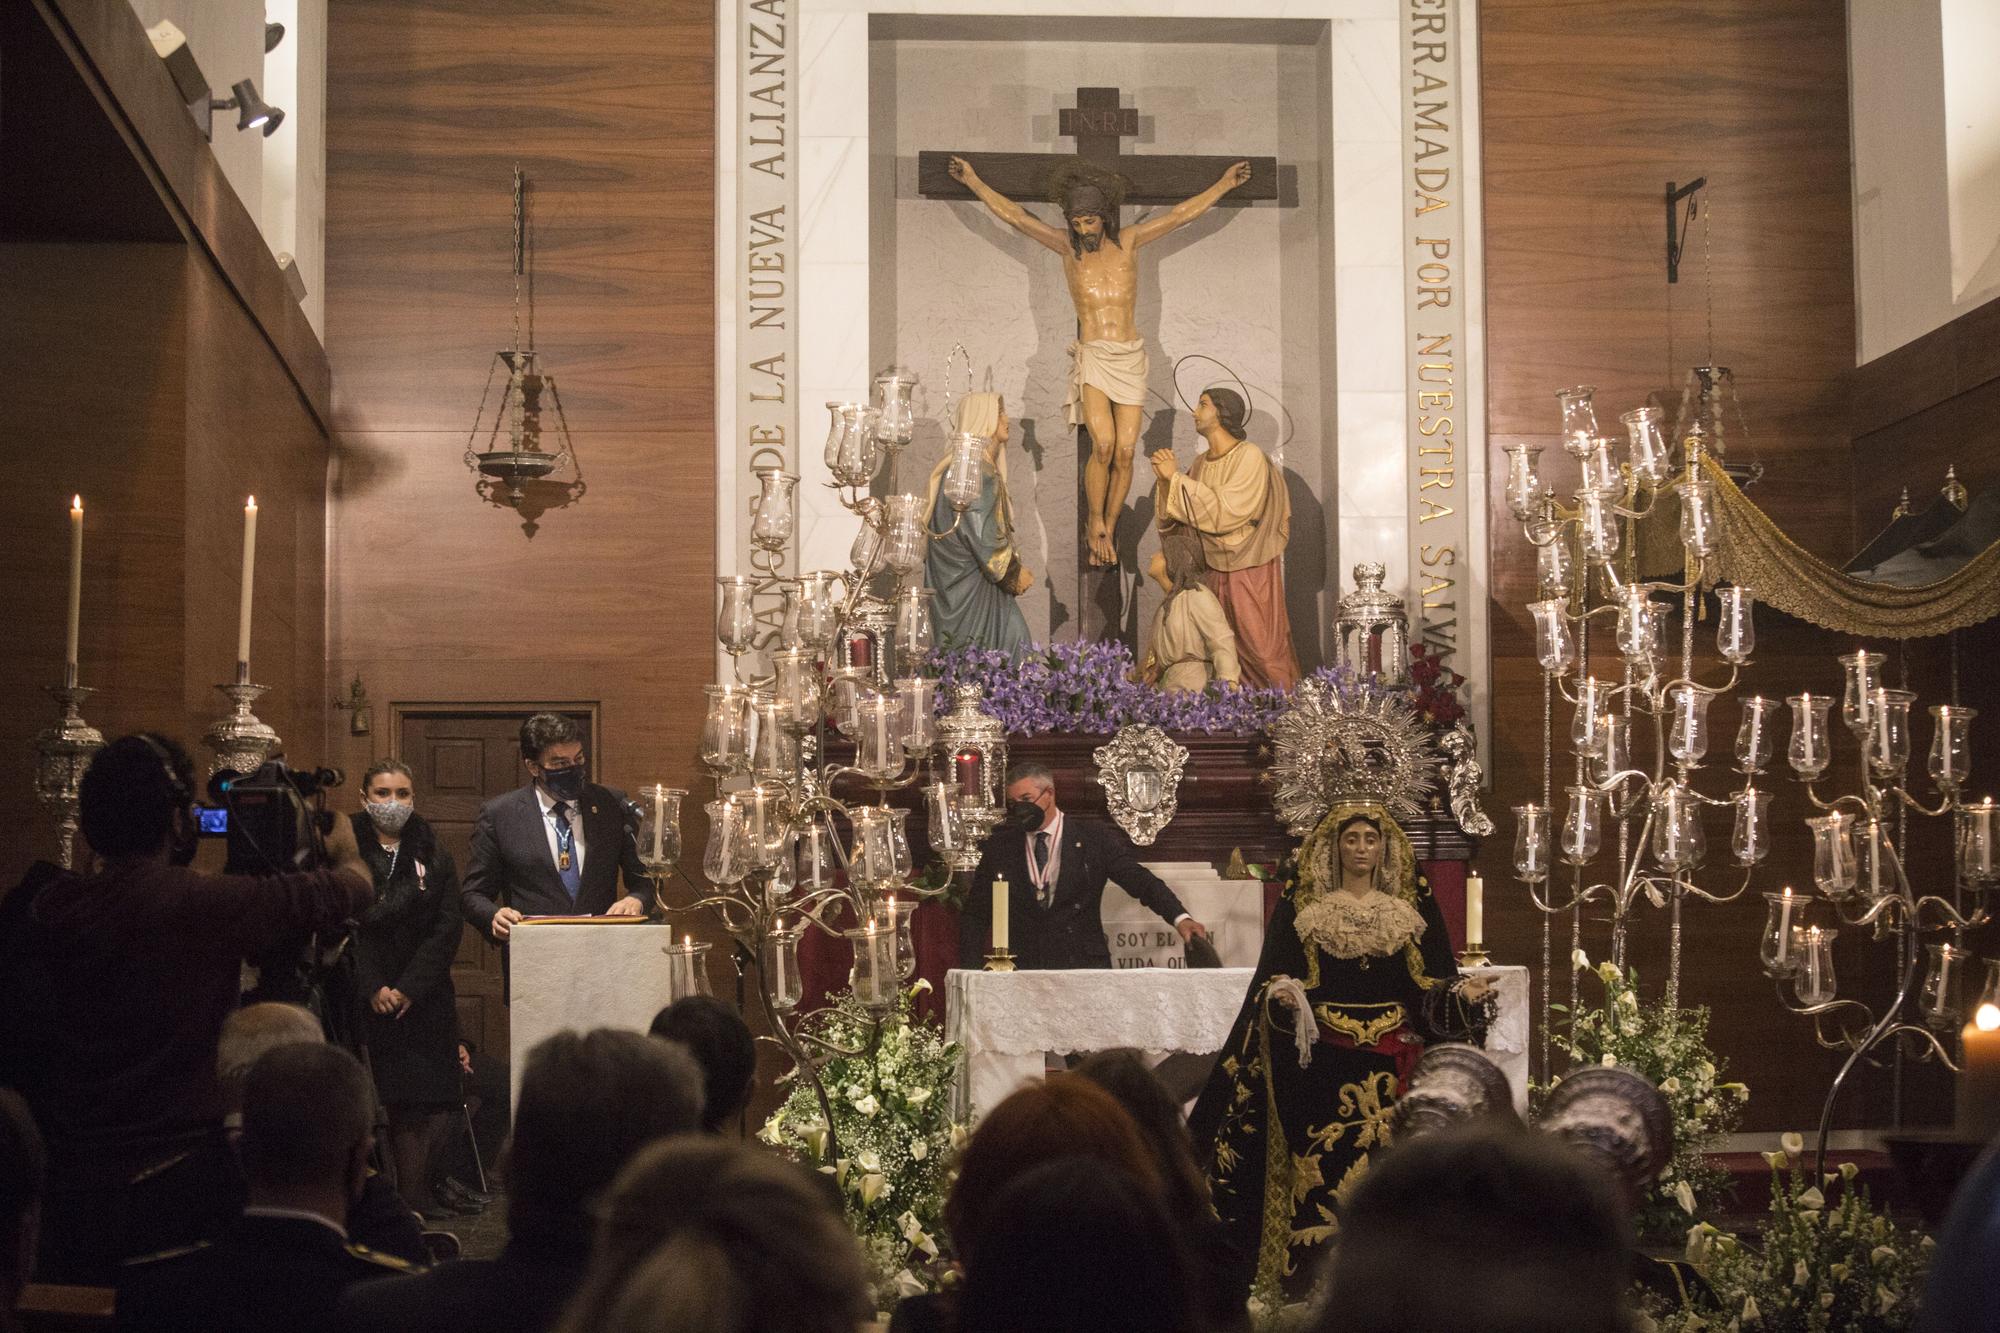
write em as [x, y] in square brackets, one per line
[813, 859]
[965, 475]
[1755, 733]
[1579, 419]
[657, 837]
[1876, 858]
[1687, 739]
[849, 688]
[1950, 761]
[874, 965]
[1775, 951]
[1552, 566]
[764, 824]
[779, 955]
[853, 453]
[914, 634]
[1942, 997]
[774, 513]
[895, 919]
[1600, 471]
[1678, 840]
[726, 859]
[1888, 734]
[1810, 750]
[1863, 671]
[1646, 446]
[1749, 836]
[866, 552]
[873, 859]
[1597, 520]
[1989, 990]
[1835, 870]
[903, 534]
[1975, 843]
[725, 728]
[1531, 843]
[1586, 736]
[1634, 626]
[774, 747]
[1552, 641]
[795, 687]
[1615, 756]
[816, 610]
[941, 818]
[1524, 487]
[901, 862]
[687, 969]
[1814, 982]
[735, 613]
[916, 701]
[1583, 826]
[1698, 519]
[878, 737]
[895, 413]
[1735, 630]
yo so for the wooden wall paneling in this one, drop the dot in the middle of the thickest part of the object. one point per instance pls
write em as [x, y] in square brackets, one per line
[1587, 112]
[97, 363]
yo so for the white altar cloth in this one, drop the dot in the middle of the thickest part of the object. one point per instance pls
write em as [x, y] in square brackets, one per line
[601, 972]
[1007, 1023]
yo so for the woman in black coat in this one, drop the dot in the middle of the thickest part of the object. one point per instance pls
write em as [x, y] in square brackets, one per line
[403, 947]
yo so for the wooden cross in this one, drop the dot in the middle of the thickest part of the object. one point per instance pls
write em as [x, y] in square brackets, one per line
[1097, 122]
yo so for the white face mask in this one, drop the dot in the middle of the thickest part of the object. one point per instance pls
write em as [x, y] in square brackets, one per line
[390, 816]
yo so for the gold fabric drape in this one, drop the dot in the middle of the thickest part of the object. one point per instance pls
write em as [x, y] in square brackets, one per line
[1779, 572]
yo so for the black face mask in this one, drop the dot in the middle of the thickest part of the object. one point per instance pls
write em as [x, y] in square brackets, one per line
[1025, 816]
[565, 784]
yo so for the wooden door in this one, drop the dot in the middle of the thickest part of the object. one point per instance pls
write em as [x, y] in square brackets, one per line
[462, 756]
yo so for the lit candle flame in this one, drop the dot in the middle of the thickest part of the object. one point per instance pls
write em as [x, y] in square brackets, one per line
[76, 504]
[1987, 1019]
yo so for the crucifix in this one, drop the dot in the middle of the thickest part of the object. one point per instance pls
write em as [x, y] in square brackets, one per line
[1108, 361]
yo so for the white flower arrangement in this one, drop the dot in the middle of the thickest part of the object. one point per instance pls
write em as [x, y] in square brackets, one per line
[1822, 1263]
[1670, 1047]
[895, 1134]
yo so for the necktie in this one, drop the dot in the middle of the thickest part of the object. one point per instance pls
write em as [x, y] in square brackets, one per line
[1044, 890]
[566, 864]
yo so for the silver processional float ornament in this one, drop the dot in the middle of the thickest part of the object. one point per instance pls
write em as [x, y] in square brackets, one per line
[1331, 746]
[62, 753]
[1140, 771]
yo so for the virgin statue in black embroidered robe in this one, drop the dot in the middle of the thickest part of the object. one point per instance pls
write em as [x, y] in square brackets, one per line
[1294, 1108]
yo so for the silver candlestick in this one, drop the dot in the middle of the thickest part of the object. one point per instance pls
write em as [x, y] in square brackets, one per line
[240, 741]
[62, 753]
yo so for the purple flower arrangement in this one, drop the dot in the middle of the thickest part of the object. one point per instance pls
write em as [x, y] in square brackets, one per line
[1077, 686]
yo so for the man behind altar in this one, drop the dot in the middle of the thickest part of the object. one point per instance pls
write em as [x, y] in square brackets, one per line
[1055, 869]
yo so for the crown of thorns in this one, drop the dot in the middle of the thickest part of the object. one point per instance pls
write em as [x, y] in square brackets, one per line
[1081, 187]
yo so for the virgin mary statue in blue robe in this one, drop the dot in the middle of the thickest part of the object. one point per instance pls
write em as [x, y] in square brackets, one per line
[975, 573]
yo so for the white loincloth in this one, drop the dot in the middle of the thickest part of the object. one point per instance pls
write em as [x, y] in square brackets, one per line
[1118, 369]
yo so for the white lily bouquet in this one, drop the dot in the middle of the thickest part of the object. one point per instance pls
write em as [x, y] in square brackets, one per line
[895, 1136]
[1670, 1047]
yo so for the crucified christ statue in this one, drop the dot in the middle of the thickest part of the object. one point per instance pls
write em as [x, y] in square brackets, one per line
[1108, 360]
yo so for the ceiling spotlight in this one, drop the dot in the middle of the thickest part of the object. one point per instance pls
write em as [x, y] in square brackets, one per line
[273, 34]
[252, 112]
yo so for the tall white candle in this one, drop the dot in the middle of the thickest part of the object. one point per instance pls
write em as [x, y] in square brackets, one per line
[249, 576]
[999, 915]
[659, 821]
[1882, 724]
[1475, 911]
[75, 582]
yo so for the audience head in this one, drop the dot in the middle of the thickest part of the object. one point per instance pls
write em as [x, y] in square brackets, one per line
[1532, 1235]
[308, 1120]
[1068, 1247]
[136, 799]
[23, 1169]
[721, 1044]
[588, 1102]
[707, 1236]
[251, 1031]
[1124, 1075]
[1062, 1117]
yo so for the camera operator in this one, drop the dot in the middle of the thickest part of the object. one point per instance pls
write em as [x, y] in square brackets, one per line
[403, 947]
[555, 847]
[116, 983]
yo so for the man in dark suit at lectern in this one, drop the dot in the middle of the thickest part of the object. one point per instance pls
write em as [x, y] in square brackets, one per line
[1056, 868]
[554, 847]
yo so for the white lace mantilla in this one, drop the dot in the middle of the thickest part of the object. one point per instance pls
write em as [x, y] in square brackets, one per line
[1152, 1008]
[1350, 927]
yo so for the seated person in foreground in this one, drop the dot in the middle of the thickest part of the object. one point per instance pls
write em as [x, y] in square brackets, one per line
[720, 1042]
[588, 1102]
[308, 1121]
